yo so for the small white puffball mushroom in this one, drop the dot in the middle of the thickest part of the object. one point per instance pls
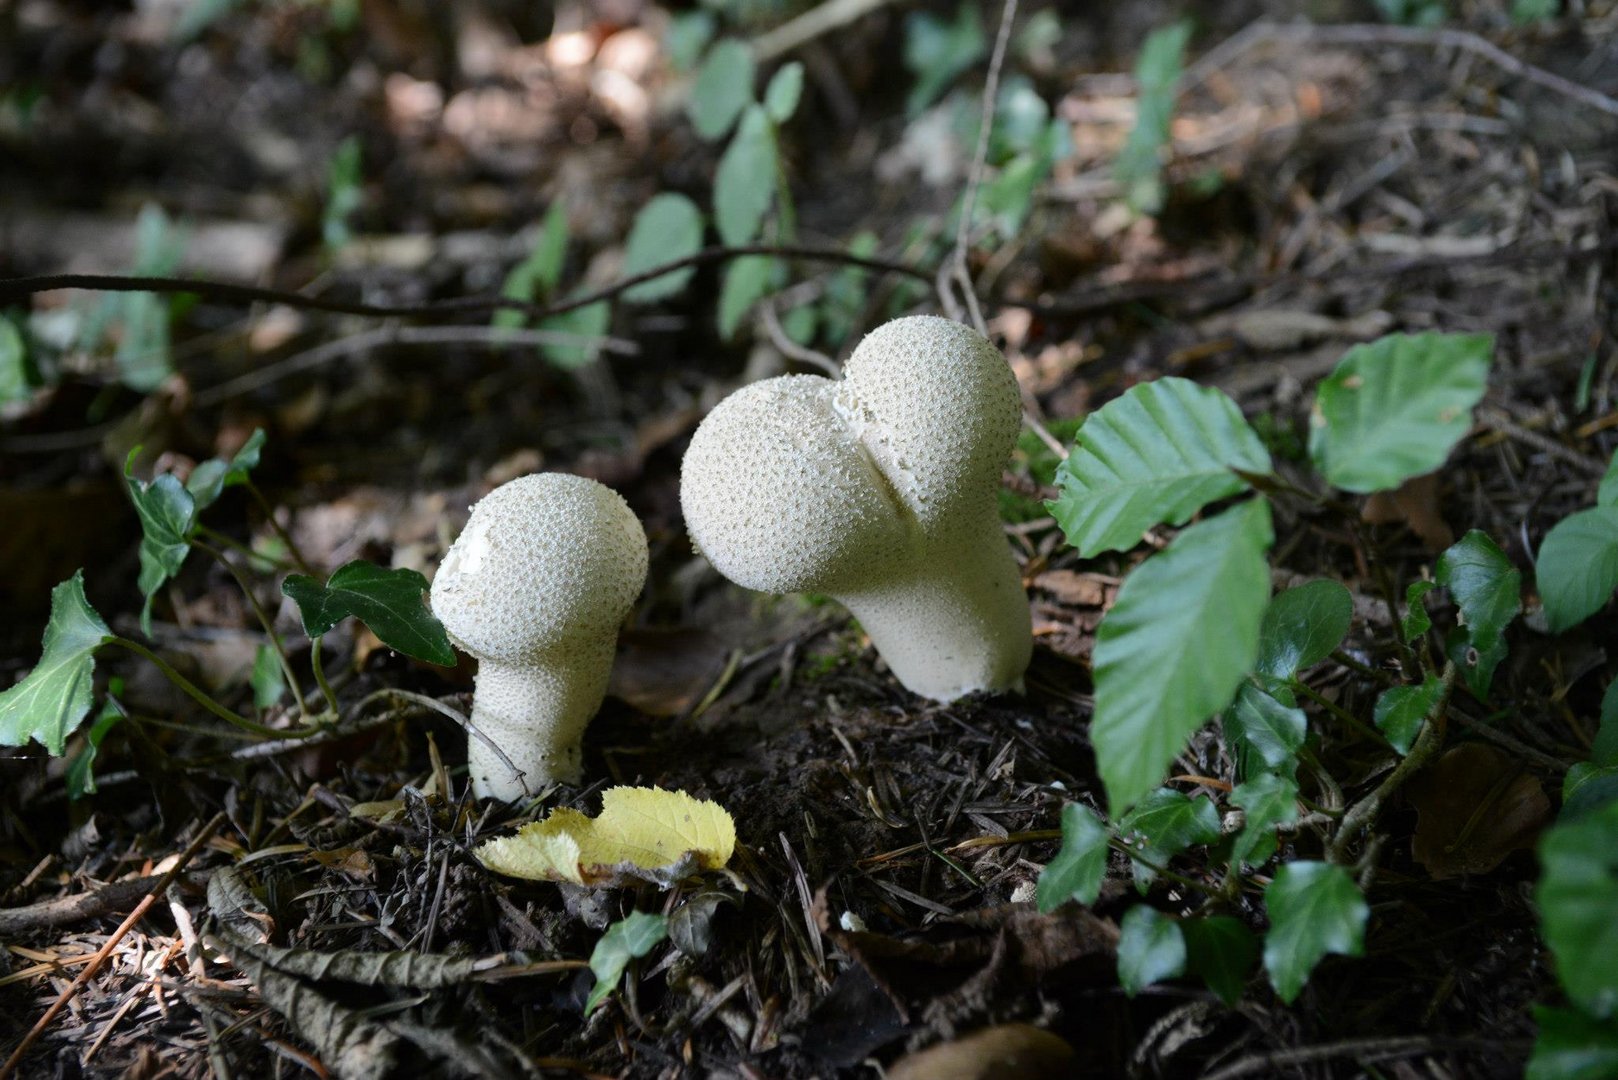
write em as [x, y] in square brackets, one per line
[536, 588]
[879, 490]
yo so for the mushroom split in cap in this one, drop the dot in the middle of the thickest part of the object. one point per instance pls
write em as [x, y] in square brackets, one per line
[536, 588]
[878, 489]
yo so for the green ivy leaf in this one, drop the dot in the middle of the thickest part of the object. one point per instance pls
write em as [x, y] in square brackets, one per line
[1607, 494]
[1176, 646]
[51, 700]
[144, 355]
[666, 229]
[625, 940]
[539, 274]
[268, 681]
[1161, 826]
[785, 90]
[1477, 666]
[1315, 908]
[390, 602]
[1573, 1046]
[724, 87]
[1485, 585]
[1159, 453]
[747, 278]
[1139, 168]
[1302, 626]
[1265, 730]
[1220, 951]
[1577, 896]
[1080, 866]
[1400, 711]
[1578, 566]
[168, 516]
[80, 777]
[744, 183]
[1150, 949]
[935, 52]
[1605, 749]
[209, 479]
[1269, 802]
[590, 321]
[1394, 408]
[1416, 621]
[1586, 787]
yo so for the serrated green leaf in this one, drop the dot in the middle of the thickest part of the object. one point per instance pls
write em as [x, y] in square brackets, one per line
[724, 87]
[51, 700]
[1605, 749]
[1315, 909]
[744, 183]
[1400, 711]
[1586, 787]
[168, 515]
[1573, 1046]
[1577, 568]
[1302, 626]
[747, 278]
[782, 95]
[1395, 408]
[1176, 646]
[1416, 621]
[1266, 731]
[1577, 896]
[1220, 951]
[80, 776]
[1486, 587]
[390, 602]
[268, 681]
[1157, 454]
[666, 229]
[1269, 801]
[1150, 949]
[209, 479]
[1139, 167]
[538, 275]
[15, 384]
[936, 52]
[1080, 866]
[625, 940]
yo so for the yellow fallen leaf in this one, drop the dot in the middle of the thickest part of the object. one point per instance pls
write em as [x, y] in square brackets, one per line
[646, 833]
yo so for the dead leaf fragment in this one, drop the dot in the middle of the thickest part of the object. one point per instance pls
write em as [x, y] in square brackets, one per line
[1474, 807]
[643, 833]
[1020, 1050]
[1414, 502]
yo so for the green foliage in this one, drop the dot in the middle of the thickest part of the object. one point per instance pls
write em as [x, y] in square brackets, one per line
[537, 276]
[1040, 462]
[668, 228]
[1577, 897]
[267, 680]
[1269, 802]
[80, 776]
[627, 939]
[168, 517]
[1577, 569]
[1486, 587]
[1160, 672]
[1265, 727]
[747, 280]
[1150, 949]
[1588, 786]
[1393, 409]
[744, 184]
[1532, 11]
[142, 320]
[209, 479]
[1157, 454]
[1220, 951]
[51, 700]
[1161, 826]
[1315, 909]
[1476, 665]
[1080, 866]
[1139, 168]
[344, 193]
[724, 87]
[781, 97]
[1605, 749]
[1607, 494]
[689, 33]
[390, 602]
[16, 380]
[1426, 13]
[1302, 626]
[1401, 709]
[1573, 1046]
[936, 52]
[1416, 621]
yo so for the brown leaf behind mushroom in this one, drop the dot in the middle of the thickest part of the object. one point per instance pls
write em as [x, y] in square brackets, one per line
[1019, 1050]
[1474, 807]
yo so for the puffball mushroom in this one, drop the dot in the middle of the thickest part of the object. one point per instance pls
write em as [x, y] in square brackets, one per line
[536, 588]
[879, 490]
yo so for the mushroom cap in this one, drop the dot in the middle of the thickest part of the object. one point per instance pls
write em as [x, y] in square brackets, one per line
[779, 497]
[544, 559]
[938, 408]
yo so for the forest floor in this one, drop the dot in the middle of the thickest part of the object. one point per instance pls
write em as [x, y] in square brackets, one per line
[1324, 188]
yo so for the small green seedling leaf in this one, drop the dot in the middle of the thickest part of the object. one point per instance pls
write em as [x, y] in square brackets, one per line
[343, 193]
[1302, 626]
[1578, 566]
[144, 355]
[785, 90]
[1607, 494]
[539, 274]
[1577, 896]
[168, 516]
[1270, 802]
[590, 321]
[667, 229]
[628, 939]
[1150, 949]
[1157, 454]
[15, 382]
[1400, 711]
[1139, 168]
[1080, 866]
[1266, 730]
[936, 52]
[724, 87]
[51, 700]
[209, 479]
[268, 682]
[689, 33]
[747, 279]
[1395, 408]
[744, 183]
[1315, 908]
[1486, 587]
[80, 776]
[1573, 1046]
[1220, 951]
[1605, 749]
[1161, 668]
[388, 601]
[1416, 621]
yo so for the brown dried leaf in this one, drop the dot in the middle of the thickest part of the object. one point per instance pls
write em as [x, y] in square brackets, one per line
[1415, 502]
[1020, 1050]
[1474, 807]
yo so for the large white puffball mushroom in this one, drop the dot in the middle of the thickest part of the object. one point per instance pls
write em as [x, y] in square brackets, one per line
[536, 588]
[879, 490]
